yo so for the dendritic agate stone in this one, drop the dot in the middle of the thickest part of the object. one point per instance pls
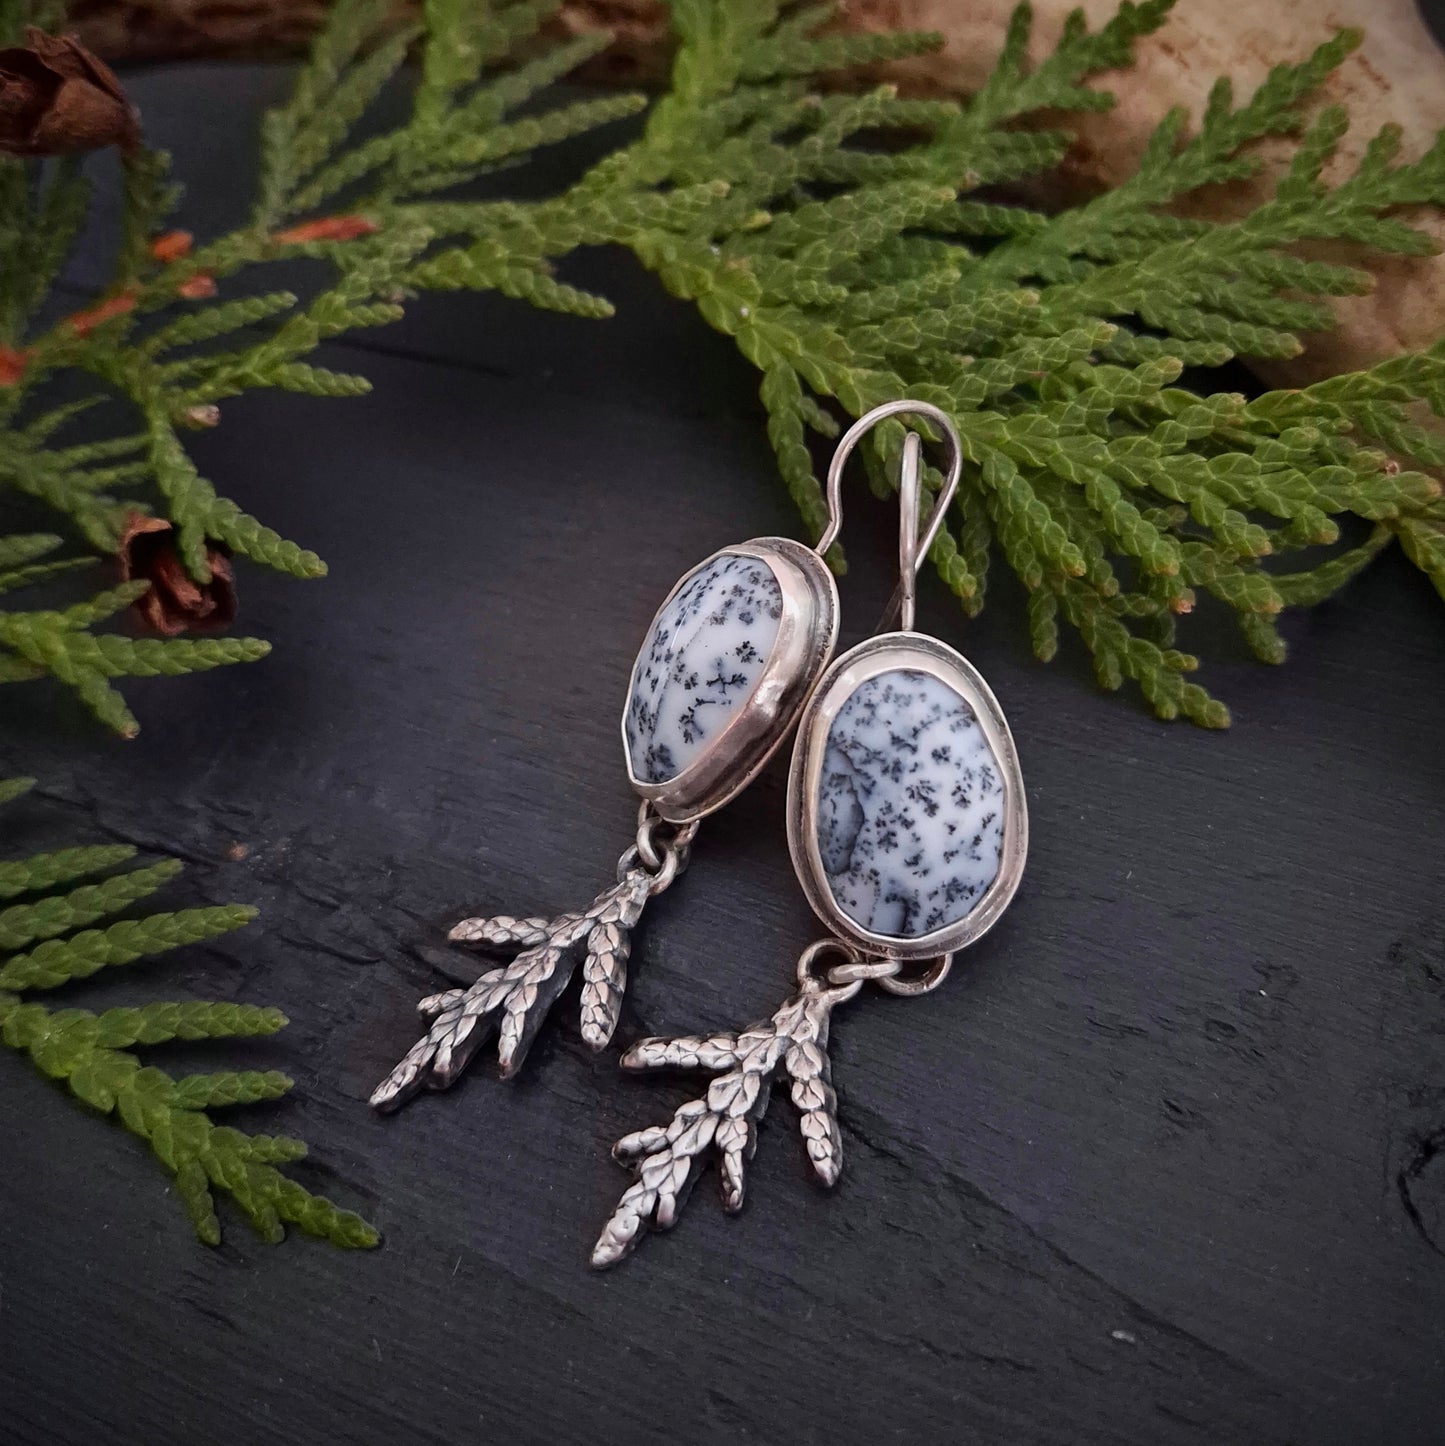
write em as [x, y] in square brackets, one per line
[910, 806]
[700, 662]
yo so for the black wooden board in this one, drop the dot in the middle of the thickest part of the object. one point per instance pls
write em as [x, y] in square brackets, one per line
[1163, 1163]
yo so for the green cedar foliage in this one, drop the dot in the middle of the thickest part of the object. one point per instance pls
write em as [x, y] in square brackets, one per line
[60, 641]
[849, 273]
[52, 927]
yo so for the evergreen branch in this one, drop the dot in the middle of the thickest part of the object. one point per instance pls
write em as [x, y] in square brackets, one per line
[13, 788]
[57, 961]
[19, 577]
[23, 924]
[1076, 460]
[92, 1054]
[848, 272]
[21, 548]
[351, 25]
[148, 197]
[45, 871]
[211, 322]
[60, 644]
[245, 1087]
[189, 1019]
[37, 239]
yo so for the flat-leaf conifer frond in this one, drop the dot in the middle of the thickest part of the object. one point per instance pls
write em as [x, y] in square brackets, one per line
[62, 643]
[186, 325]
[54, 931]
[849, 273]
[852, 274]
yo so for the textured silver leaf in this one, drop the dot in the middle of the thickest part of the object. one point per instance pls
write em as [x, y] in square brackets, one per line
[668, 1159]
[512, 1001]
[500, 931]
[604, 970]
[688, 1051]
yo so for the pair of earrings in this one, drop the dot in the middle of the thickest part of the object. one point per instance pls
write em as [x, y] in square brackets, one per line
[906, 821]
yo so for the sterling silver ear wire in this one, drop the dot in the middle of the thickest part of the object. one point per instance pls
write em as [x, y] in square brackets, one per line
[724, 669]
[908, 830]
[909, 912]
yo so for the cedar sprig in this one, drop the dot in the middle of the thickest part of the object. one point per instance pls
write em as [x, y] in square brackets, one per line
[849, 273]
[182, 326]
[62, 642]
[856, 275]
[93, 1055]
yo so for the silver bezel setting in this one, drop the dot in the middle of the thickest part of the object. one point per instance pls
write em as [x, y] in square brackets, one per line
[807, 634]
[885, 654]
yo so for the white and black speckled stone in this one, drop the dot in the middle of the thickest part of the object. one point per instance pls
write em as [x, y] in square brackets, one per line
[910, 806]
[701, 660]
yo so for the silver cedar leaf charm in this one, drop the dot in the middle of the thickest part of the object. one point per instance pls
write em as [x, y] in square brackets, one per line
[513, 1000]
[668, 1158]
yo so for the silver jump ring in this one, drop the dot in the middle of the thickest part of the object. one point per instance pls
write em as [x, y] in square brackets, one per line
[672, 863]
[648, 850]
[860, 970]
[924, 983]
[680, 844]
[647, 824]
[663, 858]
[816, 950]
[654, 851]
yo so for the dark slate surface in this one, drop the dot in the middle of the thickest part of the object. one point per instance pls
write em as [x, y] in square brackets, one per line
[1164, 1163]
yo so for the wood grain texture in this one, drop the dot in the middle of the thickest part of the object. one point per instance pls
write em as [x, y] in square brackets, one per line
[1163, 1163]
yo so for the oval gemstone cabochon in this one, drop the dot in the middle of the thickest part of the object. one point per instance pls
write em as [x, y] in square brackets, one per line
[701, 660]
[910, 806]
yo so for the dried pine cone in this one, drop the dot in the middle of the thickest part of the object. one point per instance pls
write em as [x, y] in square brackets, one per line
[56, 98]
[175, 603]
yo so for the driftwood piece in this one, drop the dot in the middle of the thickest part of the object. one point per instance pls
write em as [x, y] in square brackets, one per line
[1397, 76]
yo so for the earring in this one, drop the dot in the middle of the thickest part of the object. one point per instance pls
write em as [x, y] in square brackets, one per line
[908, 830]
[731, 655]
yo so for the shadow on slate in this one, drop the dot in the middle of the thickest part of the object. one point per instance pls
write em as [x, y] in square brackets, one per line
[1161, 1165]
